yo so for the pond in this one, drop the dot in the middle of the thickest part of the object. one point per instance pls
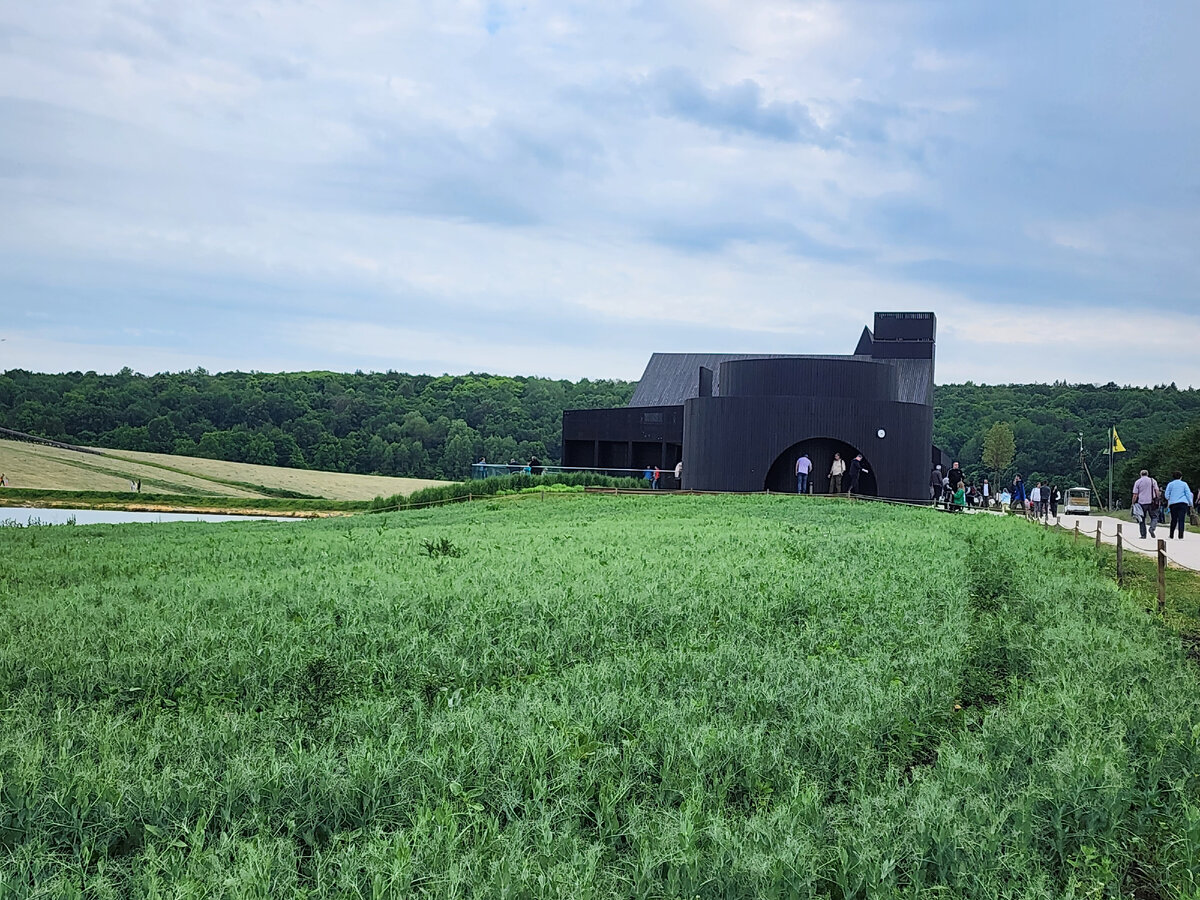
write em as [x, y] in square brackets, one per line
[34, 515]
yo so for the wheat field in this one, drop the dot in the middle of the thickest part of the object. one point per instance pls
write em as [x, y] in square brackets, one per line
[50, 468]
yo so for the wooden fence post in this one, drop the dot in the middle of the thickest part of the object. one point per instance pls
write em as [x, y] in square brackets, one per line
[1162, 577]
[1097, 535]
[1120, 558]
[1076, 539]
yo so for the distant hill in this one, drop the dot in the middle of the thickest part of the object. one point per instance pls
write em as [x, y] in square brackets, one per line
[379, 423]
[1048, 418]
[434, 427]
[40, 467]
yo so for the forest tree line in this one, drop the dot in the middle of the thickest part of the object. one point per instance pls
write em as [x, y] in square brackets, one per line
[435, 426]
[389, 423]
[1047, 420]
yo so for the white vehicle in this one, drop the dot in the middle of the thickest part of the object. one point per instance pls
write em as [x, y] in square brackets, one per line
[1079, 502]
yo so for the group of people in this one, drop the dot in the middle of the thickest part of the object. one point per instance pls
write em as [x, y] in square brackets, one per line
[953, 490]
[1150, 504]
[1042, 499]
[654, 475]
[839, 472]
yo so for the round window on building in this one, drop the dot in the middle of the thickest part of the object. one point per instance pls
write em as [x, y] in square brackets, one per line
[881, 433]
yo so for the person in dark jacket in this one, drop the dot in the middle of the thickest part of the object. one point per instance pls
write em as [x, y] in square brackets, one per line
[956, 477]
[1018, 493]
[935, 483]
[857, 468]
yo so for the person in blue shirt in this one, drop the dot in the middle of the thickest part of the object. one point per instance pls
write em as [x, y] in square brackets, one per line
[1178, 497]
[1018, 492]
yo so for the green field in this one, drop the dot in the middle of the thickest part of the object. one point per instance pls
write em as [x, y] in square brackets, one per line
[589, 696]
[36, 467]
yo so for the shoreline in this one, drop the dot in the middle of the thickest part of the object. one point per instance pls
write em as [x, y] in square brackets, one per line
[134, 506]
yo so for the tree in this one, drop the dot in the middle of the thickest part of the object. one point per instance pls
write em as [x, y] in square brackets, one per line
[999, 447]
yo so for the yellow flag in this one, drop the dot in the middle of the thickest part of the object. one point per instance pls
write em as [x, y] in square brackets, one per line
[1117, 446]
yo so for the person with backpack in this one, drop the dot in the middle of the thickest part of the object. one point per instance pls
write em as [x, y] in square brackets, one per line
[836, 471]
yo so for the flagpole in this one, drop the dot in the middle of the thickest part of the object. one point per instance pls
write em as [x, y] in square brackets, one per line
[1111, 429]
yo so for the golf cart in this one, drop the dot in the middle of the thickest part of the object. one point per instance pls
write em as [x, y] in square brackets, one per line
[1078, 502]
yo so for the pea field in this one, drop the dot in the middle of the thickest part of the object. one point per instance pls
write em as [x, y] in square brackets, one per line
[589, 696]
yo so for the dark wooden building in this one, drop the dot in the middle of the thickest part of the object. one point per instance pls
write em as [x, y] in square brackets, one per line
[740, 421]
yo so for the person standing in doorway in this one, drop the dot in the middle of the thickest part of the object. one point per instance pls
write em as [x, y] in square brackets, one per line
[679, 475]
[1178, 497]
[803, 468]
[836, 471]
[857, 469]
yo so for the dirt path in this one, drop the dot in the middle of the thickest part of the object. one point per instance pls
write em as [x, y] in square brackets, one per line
[1183, 552]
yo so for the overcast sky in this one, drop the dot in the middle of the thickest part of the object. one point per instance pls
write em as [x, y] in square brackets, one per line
[557, 188]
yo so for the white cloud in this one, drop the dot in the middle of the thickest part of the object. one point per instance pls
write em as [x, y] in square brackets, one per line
[386, 162]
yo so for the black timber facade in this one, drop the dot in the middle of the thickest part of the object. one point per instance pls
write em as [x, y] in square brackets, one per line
[740, 421]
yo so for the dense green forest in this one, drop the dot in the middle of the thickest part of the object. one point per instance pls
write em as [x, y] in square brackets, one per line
[1047, 420]
[435, 426]
[380, 423]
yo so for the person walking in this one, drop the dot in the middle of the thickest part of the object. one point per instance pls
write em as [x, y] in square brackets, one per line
[657, 477]
[986, 491]
[1179, 499]
[1035, 499]
[935, 484]
[679, 475]
[1145, 495]
[1055, 499]
[1017, 501]
[803, 468]
[836, 471]
[857, 469]
[648, 476]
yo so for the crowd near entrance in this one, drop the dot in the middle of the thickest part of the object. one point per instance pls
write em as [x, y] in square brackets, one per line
[781, 477]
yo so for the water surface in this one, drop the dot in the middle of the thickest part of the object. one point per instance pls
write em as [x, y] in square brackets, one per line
[35, 515]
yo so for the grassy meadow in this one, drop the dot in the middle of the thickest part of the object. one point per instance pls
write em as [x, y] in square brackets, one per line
[589, 696]
[35, 468]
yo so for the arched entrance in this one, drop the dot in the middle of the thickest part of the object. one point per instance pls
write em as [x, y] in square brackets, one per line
[781, 477]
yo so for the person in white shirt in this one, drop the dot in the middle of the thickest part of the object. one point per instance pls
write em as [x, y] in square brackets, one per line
[803, 468]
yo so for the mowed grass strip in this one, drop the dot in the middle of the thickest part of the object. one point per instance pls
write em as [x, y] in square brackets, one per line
[43, 468]
[307, 482]
[40, 467]
[596, 696]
